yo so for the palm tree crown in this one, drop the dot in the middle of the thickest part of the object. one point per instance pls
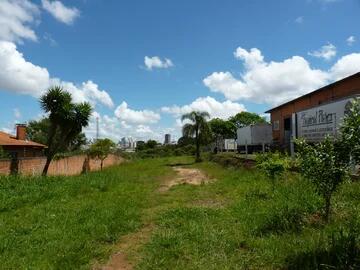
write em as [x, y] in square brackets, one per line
[198, 128]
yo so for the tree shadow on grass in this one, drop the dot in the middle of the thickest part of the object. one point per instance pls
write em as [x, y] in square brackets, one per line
[180, 164]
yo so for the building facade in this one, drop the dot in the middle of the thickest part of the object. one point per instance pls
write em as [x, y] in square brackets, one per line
[127, 144]
[282, 116]
[18, 146]
[167, 139]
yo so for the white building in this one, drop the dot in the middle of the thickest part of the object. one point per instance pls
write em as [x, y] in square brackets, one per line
[127, 144]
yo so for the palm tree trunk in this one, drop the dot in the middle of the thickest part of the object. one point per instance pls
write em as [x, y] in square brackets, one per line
[197, 158]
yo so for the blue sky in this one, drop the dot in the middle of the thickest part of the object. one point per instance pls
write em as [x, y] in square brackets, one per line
[219, 56]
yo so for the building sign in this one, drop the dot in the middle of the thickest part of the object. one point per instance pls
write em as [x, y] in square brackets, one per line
[314, 124]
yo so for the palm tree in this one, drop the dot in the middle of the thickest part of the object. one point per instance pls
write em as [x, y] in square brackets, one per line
[66, 120]
[198, 128]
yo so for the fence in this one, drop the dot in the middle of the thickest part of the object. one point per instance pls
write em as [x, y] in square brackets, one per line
[66, 166]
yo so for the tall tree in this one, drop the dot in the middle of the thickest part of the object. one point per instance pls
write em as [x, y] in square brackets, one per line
[100, 149]
[66, 120]
[350, 131]
[38, 131]
[198, 129]
[222, 128]
[244, 119]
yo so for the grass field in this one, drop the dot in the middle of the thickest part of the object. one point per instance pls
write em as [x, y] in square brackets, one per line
[234, 222]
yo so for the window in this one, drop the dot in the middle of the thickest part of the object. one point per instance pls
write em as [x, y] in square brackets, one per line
[276, 125]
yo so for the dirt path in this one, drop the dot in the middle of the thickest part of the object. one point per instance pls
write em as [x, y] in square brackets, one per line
[130, 244]
[189, 176]
[127, 247]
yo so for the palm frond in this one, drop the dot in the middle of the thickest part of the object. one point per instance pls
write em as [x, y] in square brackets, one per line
[188, 130]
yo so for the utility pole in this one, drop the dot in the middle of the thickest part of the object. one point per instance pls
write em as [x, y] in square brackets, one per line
[97, 128]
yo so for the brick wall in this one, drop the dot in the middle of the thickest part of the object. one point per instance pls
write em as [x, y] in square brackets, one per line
[4, 167]
[65, 166]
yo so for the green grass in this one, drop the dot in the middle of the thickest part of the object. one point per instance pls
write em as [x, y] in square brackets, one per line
[68, 222]
[235, 222]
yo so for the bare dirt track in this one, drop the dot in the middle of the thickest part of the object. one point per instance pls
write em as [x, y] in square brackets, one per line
[129, 244]
[189, 176]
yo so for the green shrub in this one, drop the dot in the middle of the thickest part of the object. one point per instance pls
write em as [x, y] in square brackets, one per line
[228, 159]
[324, 166]
[273, 165]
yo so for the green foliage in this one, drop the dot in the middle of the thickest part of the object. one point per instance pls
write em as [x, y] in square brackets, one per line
[339, 250]
[324, 167]
[222, 129]
[230, 223]
[3, 153]
[66, 120]
[230, 160]
[184, 141]
[70, 222]
[198, 129]
[273, 165]
[150, 144]
[101, 148]
[244, 119]
[39, 130]
[350, 130]
[161, 151]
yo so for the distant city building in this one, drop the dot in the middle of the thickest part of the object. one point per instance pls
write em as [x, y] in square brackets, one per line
[167, 139]
[127, 144]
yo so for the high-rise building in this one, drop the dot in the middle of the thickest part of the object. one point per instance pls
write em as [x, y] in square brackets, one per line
[127, 144]
[167, 139]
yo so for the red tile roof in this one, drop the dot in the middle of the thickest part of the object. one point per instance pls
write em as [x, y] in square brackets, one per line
[10, 140]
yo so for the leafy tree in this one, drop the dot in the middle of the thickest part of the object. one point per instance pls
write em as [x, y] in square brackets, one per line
[38, 131]
[273, 166]
[323, 165]
[151, 144]
[222, 129]
[3, 153]
[140, 145]
[244, 119]
[198, 129]
[350, 131]
[100, 149]
[66, 120]
[184, 141]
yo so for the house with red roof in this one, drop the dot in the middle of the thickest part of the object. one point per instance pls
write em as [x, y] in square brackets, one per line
[18, 146]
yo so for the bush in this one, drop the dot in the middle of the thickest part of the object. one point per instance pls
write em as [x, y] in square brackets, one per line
[227, 159]
[324, 166]
[273, 165]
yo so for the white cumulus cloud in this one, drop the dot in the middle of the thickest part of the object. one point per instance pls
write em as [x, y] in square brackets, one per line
[114, 128]
[208, 104]
[326, 52]
[30, 79]
[60, 12]
[157, 62]
[33, 80]
[16, 19]
[266, 82]
[277, 82]
[345, 66]
[123, 112]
